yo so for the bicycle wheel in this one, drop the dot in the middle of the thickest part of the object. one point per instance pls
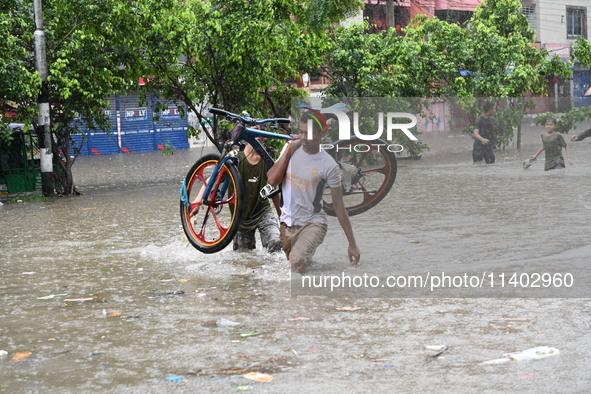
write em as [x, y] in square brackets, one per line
[368, 171]
[213, 226]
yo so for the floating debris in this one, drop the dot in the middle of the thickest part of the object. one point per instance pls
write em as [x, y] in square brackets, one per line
[178, 292]
[249, 334]
[259, 377]
[227, 323]
[437, 348]
[535, 353]
[19, 356]
[78, 299]
[243, 388]
[49, 297]
[438, 354]
[225, 372]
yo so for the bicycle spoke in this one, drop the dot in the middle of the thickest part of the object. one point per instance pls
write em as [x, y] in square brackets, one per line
[201, 234]
[223, 230]
[383, 170]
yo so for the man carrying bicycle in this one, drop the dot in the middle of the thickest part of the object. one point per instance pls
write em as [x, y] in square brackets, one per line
[303, 174]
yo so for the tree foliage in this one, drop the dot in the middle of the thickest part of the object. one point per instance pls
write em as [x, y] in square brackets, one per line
[245, 55]
[238, 55]
[233, 54]
[85, 43]
[18, 79]
[493, 57]
[581, 52]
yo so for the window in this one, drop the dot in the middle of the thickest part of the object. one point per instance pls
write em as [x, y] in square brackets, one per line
[576, 22]
[529, 11]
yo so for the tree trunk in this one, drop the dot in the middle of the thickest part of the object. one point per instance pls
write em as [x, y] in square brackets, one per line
[62, 173]
[522, 104]
[390, 21]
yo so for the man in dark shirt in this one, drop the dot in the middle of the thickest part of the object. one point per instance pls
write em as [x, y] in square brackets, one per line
[483, 136]
[257, 214]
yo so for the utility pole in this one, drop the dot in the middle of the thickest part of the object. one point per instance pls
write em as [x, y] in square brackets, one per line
[43, 103]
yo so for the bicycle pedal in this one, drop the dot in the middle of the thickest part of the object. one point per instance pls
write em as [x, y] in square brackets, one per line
[268, 191]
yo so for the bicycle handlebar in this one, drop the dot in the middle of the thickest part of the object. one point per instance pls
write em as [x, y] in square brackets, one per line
[246, 119]
[216, 111]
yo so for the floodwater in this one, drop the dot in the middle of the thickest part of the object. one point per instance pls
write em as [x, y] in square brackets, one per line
[155, 303]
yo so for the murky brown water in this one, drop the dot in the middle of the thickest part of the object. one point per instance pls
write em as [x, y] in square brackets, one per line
[120, 244]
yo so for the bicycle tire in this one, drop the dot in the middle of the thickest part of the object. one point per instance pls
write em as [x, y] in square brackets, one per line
[376, 170]
[215, 225]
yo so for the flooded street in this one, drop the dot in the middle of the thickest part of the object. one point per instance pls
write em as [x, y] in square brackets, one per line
[144, 308]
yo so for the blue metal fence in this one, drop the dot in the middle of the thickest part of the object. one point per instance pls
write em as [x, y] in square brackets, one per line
[135, 128]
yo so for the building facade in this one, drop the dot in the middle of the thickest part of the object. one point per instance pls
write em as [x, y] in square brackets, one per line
[557, 25]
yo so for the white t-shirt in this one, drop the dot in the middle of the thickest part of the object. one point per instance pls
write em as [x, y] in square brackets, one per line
[300, 187]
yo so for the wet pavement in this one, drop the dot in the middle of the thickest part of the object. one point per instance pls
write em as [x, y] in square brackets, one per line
[144, 308]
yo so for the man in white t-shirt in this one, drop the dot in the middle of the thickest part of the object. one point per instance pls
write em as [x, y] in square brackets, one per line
[304, 173]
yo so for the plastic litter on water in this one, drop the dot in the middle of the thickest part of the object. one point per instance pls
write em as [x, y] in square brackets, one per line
[535, 353]
[249, 334]
[78, 299]
[258, 377]
[227, 323]
[49, 297]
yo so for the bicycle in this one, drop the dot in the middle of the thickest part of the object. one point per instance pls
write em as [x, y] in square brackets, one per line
[214, 182]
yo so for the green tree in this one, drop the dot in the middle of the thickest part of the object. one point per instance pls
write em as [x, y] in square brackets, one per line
[493, 58]
[86, 42]
[18, 79]
[235, 54]
[361, 65]
[581, 53]
[232, 54]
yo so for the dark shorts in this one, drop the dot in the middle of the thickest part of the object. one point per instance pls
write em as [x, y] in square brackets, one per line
[557, 166]
[483, 152]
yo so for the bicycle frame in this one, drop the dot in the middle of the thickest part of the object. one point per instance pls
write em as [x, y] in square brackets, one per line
[243, 134]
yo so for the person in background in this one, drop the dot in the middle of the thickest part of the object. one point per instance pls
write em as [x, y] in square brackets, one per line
[581, 136]
[553, 143]
[483, 136]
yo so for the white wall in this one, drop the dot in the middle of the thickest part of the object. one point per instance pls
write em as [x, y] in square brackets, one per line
[551, 18]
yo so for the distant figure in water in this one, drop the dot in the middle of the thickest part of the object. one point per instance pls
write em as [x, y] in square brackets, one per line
[484, 128]
[553, 143]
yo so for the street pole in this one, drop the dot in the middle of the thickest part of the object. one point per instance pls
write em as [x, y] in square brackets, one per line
[43, 103]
